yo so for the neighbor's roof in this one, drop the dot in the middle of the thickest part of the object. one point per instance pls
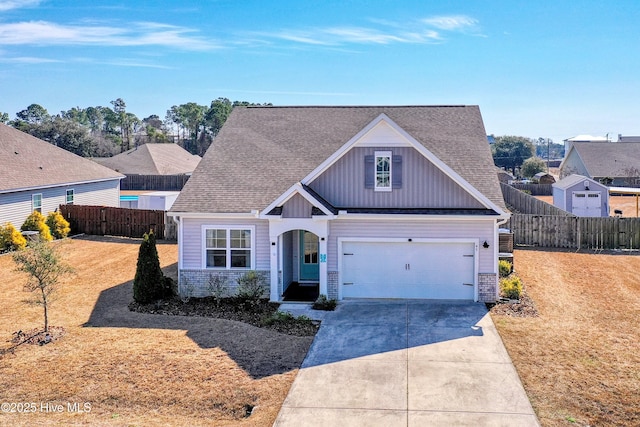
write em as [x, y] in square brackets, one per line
[609, 160]
[587, 138]
[27, 162]
[261, 152]
[152, 159]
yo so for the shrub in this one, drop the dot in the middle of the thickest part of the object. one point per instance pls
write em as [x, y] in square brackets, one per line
[149, 282]
[11, 239]
[58, 225]
[323, 303]
[251, 287]
[504, 268]
[37, 222]
[217, 287]
[511, 287]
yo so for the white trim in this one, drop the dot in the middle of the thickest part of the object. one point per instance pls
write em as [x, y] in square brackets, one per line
[228, 248]
[33, 205]
[416, 145]
[296, 188]
[376, 155]
[420, 217]
[73, 196]
[64, 184]
[476, 253]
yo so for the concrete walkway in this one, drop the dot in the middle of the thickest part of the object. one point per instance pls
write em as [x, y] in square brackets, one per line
[406, 363]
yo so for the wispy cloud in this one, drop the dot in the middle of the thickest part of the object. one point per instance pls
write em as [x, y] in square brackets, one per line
[379, 32]
[27, 60]
[43, 33]
[17, 4]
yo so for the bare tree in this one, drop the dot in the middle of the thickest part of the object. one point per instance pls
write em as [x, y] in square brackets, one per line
[45, 267]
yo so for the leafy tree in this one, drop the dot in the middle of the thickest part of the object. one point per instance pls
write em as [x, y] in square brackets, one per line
[532, 166]
[149, 282]
[511, 151]
[33, 114]
[217, 114]
[4, 118]
[45, 268]
[37, 222]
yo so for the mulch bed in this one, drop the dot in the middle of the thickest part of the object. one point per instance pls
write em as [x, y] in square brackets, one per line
[525, 307]
[255, 314]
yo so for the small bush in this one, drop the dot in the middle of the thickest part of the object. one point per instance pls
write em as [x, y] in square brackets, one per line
[511, 287]
[504, 268]
[217, 287]
[323, 303]
[149, 282]
[11, 239]
[251, 286]
[58, 225]
[283, 318]
[37, 222]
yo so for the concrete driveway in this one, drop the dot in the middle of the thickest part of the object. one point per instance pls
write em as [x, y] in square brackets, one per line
[406, 363]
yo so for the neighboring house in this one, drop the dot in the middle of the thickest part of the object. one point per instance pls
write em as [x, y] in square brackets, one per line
[614, 163]
[543, 178]
[152, 159]
[504, 176]
[364, 202]
[568, 143]
[36, 175]
[581, 196]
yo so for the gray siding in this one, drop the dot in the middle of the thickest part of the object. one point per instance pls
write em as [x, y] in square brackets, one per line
[297, 207]
[16, 207]
[423, 184]
[573, 165]
[192, 245]
[439, 229]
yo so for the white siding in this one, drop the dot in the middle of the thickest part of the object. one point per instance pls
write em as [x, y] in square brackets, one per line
[16, 207]
[434, 229]
[192, 245]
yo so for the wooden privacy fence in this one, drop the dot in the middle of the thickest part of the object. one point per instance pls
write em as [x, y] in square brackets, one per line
[535, 189]
[154, 182]
[101, 220]
[575, 232]
[524, 203]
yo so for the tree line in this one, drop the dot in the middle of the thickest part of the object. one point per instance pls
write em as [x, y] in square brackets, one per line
[105, 131]
[524, 156]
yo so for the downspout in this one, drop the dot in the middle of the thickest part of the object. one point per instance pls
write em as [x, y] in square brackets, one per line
[178, 221]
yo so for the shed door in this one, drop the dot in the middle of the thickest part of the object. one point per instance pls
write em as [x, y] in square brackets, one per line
[587, 203]
[408, 270]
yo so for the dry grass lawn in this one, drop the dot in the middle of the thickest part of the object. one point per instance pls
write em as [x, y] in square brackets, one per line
[133, 368]
[580, 359]
[627, 204]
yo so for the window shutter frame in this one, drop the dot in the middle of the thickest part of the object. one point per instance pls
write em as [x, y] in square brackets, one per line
[369, 171]
[396, 171]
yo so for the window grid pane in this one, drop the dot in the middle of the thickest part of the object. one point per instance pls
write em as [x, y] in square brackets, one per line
[240, 258]
[69, 197]
[216, 239]
[228, 248]
[383, 171]
[241, 239]
[217, 258]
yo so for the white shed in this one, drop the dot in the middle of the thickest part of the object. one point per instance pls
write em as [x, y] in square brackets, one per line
[157, 200]
[581, 196]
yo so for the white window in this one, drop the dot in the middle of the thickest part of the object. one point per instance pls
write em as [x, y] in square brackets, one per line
[69, 198]
[36, 202]
[383, 171]
[229, 247]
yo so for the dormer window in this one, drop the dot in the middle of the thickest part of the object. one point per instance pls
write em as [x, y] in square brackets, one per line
[382, 165]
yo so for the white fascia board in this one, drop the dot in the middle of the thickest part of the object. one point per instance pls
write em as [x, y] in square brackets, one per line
[411, 142]
[421, 217]
[296, 188]
[212, 215]
[64, 184]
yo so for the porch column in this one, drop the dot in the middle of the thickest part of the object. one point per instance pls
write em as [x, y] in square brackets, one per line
[274, 273]
[322, 258]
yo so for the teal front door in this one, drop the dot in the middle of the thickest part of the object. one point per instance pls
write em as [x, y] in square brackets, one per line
[309, 270]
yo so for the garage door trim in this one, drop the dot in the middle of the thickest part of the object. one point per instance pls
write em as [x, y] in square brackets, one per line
[341, 240]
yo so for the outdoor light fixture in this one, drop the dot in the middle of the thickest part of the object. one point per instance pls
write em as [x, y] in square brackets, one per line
[485, 244]
[273, 243]
[411, 240]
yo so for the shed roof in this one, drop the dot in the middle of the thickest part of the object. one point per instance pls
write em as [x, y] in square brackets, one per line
[574, 179]
[27, 162]
[261, 152]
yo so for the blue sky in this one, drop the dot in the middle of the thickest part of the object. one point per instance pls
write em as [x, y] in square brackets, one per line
[552, 69]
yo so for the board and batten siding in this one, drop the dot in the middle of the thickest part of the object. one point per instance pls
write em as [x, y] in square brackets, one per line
[192, 244]
[297, 207]
[435, 229]
[16, 207]
[423, 184]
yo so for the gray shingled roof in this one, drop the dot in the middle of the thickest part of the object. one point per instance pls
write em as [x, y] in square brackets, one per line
[28, 162]
[261, 152]
[612, 159]
[152, 159]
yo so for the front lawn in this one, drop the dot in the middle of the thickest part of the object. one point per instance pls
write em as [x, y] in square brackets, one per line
[579, 360]
[114, 366]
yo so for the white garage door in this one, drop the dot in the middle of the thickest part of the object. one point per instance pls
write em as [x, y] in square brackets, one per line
[408, 270]
[586, 203]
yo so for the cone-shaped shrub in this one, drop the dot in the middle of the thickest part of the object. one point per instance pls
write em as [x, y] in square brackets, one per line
[148, 285]
[11, 239]
[37, 222]
[58, 225]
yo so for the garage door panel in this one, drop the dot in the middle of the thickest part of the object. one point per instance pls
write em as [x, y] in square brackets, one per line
[408, 270]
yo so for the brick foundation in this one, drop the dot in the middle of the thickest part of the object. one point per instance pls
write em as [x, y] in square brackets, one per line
[487, 287]
[332, 285]
[198, 283]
